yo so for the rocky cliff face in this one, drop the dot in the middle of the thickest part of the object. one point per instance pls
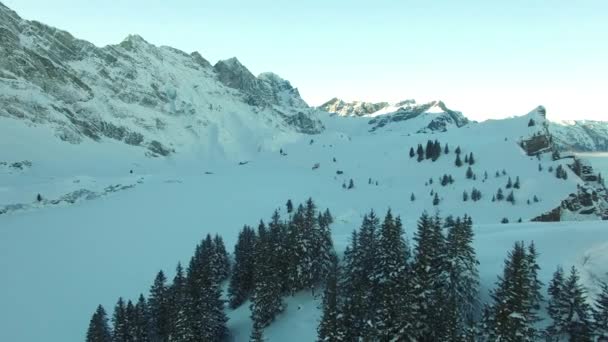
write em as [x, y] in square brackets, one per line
[356, 108]
[144, 95]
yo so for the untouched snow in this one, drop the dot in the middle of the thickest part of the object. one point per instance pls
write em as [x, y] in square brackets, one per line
[59, 262]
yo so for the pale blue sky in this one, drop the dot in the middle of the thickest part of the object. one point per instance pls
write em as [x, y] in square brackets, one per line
[485, 58]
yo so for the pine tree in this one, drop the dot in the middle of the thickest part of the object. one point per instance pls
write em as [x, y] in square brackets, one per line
[436, 150]
[600, 314]
[420, 153]
[466, 158]
[120, 322]
[578, 326]
[99, 329]
[512, 315]
[499, 195]
[471, 159]
[465, 196]
[509, 184]
[412, 197]
[436, 199]
[511, 198]
[463, 283]
[241, 282]
[446, 149]
[430, 277]
[351, 291]
[536, 199]
[289, 206]
[516, 185]
[266, 301]
[178, 301]
[428, 151]
[458, 161]
[470, 173]
[140, 326]
[159, 307]
[394, 314]
[458, 150]
[412, 153]
[557, 305]
[329, 328]
[222, 257]
[535, 285]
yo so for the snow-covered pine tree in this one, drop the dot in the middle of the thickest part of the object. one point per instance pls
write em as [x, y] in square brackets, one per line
[458, 150]
[430, 277]
[446, 149]
[536, 297]
[556, 307]
[99, 329]
[600, 313]
[428, 151]
[329, 329]
[159, 307]
[471, 159]
[223, 259]
[350, 288]
[412, 153]
[178, 305]
[512, 312]
[516, 185]
[140, 326]
[257, 333]
[367, 257]
[466, 159]
[578, 325]
[465, 196]
[463, 279]
[324, 253]
[394, 300]
[241, 282]
[266, 301]
[120, 323]
[436, 199]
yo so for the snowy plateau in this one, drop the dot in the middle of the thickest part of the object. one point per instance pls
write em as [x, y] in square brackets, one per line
[139, 151]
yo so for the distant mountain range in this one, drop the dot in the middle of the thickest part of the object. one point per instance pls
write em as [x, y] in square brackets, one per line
[577, 136]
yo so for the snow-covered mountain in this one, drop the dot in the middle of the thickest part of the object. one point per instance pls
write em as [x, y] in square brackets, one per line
[580, 136]
[156, 97]
[420, 118]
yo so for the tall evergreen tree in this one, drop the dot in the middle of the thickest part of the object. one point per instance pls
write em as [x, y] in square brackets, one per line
[289, 206]
[329, 328]
[178, 302]
[557, 307]
[463, 279]
[266, 301]
[436, 199]
[420, 152]
[223, 259]
[394, 300]
[471, 159]
[458, 161]
[160, 310]
[600, 313]
[470, 173]
[140, 325]
[512, 316]
[430, 277]
[242, 280]
[578, 325]
[120, 322]
[446, 150]
[99, 329]
[412, 153]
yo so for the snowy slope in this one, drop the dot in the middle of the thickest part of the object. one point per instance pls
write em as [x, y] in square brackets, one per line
[64, 259]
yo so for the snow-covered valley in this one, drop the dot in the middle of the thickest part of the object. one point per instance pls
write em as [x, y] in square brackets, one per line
[63, 260]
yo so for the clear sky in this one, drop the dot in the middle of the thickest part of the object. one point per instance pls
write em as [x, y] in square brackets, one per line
[487, 59]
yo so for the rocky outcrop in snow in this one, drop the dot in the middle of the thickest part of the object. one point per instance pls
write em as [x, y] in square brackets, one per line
[356, 108]
[435, 116]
